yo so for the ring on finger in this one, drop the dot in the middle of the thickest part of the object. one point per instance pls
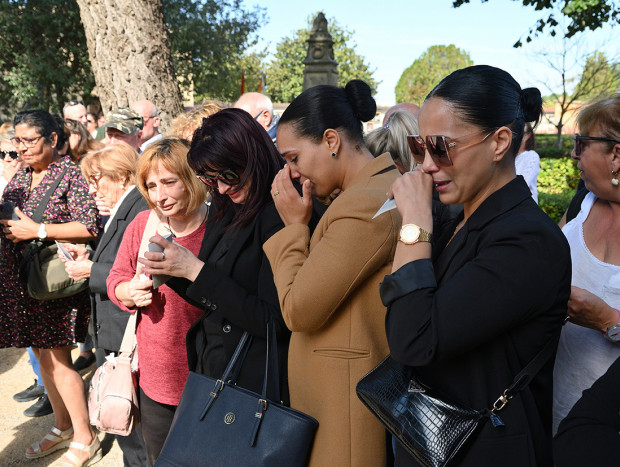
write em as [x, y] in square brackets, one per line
[163, 256]
[276, 193]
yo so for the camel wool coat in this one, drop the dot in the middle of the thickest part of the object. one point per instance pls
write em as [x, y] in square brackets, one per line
[328, 288]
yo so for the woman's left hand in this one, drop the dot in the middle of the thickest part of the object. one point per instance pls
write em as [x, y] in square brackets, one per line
[590, 311]
[175, 260]
[21, 230]
[293, 209]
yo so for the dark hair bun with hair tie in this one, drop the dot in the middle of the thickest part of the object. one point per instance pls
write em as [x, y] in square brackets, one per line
[531, 104]
[360, 97]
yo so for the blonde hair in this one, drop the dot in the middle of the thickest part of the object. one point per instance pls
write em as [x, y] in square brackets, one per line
[171, 153]
[392, 138]
[604, 115]
[116, 161]
[186, 124]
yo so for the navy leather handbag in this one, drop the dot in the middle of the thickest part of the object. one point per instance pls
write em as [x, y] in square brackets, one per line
[220, 424]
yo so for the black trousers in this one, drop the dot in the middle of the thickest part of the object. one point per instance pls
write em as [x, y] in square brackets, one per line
[155, 419]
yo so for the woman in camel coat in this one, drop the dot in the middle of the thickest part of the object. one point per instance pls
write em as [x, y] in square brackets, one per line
[328, 284]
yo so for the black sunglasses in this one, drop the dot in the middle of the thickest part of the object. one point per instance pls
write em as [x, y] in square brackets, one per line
[580, 139]
[72, 103]
[11, 154]
[227, 176]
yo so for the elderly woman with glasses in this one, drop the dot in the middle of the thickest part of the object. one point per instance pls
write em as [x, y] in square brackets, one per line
[466, 315]
[231, 279]
[590, 341]
[50, 327]
[177, 211]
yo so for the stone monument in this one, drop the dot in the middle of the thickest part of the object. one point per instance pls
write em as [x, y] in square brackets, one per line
[321, 68]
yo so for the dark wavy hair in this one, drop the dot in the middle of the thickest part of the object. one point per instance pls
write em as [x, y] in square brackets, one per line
[232, 139]
[490, 98]
[324, 106]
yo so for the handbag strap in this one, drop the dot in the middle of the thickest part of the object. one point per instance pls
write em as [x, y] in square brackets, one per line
[525, 376]
[37, 216]
[128, 344]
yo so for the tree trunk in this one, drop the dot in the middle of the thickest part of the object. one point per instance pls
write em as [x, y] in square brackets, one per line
[130, 55]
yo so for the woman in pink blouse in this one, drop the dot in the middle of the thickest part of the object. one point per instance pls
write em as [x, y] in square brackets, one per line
[177, 198]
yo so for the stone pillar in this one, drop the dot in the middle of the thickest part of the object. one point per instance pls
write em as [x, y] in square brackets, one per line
[321, 68]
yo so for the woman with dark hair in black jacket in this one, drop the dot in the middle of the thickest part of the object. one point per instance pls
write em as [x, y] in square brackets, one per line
[231, 278]
[471, 312]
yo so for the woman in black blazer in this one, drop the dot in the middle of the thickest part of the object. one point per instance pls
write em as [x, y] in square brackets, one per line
[231, 278]
[111, 174]
[471, 314]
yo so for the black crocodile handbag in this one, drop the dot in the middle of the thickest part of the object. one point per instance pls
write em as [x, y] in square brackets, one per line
[430, 427]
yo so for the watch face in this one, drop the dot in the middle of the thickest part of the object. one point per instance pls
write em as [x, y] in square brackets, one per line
[410, 233]
[613, 332]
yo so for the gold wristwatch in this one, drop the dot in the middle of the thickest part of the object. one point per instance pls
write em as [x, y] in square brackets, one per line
[411, 234]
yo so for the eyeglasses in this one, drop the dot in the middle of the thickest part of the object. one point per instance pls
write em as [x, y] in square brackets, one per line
[438, 147]
[580, 139]
[9, 154]
[227, 176]
[72, 103]
[94, 179]
[27, 142]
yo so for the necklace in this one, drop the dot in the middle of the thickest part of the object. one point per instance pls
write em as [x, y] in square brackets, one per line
[202, 222]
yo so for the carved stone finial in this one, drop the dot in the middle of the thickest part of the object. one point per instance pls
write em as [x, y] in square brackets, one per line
[321, 68]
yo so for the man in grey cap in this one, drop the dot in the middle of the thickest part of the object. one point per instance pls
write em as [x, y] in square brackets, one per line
[124, 125]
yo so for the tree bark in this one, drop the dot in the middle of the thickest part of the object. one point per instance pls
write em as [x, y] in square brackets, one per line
[129, 51]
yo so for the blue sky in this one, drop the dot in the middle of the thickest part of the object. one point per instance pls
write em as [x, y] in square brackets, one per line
[391, 34]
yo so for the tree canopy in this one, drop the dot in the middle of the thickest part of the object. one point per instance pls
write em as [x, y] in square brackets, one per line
[45, 62]
[285, 71]
[43, 54]
[582, 15]
[427, 71]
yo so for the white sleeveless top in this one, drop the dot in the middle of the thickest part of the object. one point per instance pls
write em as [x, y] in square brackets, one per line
[584, 355]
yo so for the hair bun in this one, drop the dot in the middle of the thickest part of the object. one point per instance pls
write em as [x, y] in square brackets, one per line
[531, 104]
[360, 97]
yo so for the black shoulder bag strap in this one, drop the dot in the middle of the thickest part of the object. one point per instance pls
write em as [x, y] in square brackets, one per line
[575, 205]
[523, 378]
[37, 216]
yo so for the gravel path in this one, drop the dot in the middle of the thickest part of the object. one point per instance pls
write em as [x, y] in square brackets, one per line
[17, 432]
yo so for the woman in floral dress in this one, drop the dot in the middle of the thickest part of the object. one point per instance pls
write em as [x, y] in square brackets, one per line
[51, 327]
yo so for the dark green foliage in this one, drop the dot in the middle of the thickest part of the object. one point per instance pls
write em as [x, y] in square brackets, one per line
[43, 56]
[208, 41]
[582, 15]
[426, 72]
[285, 72]
[555, 204]
[557, 183]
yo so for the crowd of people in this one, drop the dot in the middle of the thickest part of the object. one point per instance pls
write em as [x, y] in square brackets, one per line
[262, 222]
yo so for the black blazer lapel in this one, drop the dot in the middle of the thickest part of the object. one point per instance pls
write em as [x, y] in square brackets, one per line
[123, 210]
[235, 249]
[213, 233]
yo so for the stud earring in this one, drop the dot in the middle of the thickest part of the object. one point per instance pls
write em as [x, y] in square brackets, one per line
[614, 180]
[334, 155]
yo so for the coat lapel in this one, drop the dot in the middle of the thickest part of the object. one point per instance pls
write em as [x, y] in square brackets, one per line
[121, 214]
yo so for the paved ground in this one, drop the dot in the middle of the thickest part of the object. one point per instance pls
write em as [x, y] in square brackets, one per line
[17, 432]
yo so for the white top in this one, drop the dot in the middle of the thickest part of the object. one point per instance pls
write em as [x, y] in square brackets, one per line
[584, 355]
[147, 143]
[117, 205]
[528, 164]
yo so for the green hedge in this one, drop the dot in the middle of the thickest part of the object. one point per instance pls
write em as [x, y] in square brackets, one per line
[557, 182]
